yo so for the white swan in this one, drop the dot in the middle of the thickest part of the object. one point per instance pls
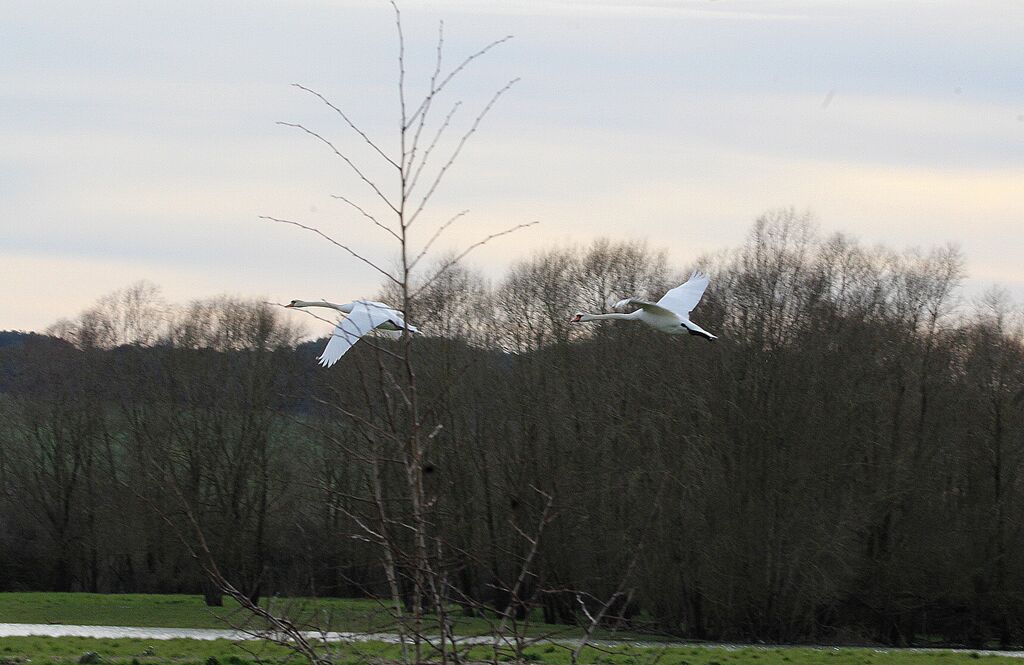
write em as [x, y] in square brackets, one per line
[363, 317]
[670, 315]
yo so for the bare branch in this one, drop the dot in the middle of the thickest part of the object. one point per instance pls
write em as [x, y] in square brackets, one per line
[524, 571]
[334, 242]
[586, 612]
[401, 72]
[436, 235]
[427, 100]
[362, 421]
[458, 149]
[396, 385]
[452, 74]
[367, 215]
[426, 154]
[448, 264]
[348, 161]
[350, 123]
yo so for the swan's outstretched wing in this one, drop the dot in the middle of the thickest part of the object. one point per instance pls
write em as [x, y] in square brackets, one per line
[361, 321]
[376, 305]
[652, 307]
[682, 299]
[392, 318]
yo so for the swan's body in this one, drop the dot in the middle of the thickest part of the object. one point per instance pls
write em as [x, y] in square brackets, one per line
[364, 316]
[669, 315]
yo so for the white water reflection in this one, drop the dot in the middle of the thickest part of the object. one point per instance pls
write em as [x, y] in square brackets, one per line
[116, 632]
[154, 633]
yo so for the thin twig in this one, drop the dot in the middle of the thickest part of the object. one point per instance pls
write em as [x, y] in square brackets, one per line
[524, 570]
[367, 215]
[436, 235]
[448, 264]
[334, 242]
[428, 100]
[361, 420]
[349, 122]
[455, 71]
[426, 154]
[401, 74]
[348, 161]
[451, 160]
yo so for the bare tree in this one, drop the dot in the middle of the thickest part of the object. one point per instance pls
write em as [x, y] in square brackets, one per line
[133, 315]
[397, 428]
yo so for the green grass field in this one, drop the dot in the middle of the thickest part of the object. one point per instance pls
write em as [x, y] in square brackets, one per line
[180, 611]
[70, 650]
[359, 615]
[150, 652]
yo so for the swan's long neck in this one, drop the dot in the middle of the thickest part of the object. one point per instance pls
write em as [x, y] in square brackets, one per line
[346, 308]
[612, 315]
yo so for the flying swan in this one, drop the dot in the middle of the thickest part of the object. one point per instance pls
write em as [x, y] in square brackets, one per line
[363, 317]
[670, 315]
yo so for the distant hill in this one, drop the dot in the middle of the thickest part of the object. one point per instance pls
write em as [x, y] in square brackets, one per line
[16, 338]
[13, 344]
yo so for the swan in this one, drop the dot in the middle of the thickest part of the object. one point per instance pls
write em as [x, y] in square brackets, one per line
[363, 317]
[670, 315]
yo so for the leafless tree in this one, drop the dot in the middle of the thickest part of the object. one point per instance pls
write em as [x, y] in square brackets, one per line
[401, 435]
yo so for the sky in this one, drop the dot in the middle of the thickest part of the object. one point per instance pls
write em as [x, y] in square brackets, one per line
[140, 140]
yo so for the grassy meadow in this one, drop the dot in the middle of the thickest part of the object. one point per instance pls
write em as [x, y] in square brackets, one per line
[180, 611]
[73, 650]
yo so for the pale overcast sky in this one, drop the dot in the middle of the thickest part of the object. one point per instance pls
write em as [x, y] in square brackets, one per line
[138, 139]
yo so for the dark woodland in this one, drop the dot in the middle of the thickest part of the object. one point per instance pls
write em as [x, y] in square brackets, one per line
[843, 464]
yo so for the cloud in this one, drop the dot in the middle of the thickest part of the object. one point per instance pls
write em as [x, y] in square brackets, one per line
[145, 140]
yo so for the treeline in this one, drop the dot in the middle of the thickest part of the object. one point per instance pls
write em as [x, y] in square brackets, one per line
[844, 463]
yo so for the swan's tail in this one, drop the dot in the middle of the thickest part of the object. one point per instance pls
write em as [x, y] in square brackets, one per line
[694, 329]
